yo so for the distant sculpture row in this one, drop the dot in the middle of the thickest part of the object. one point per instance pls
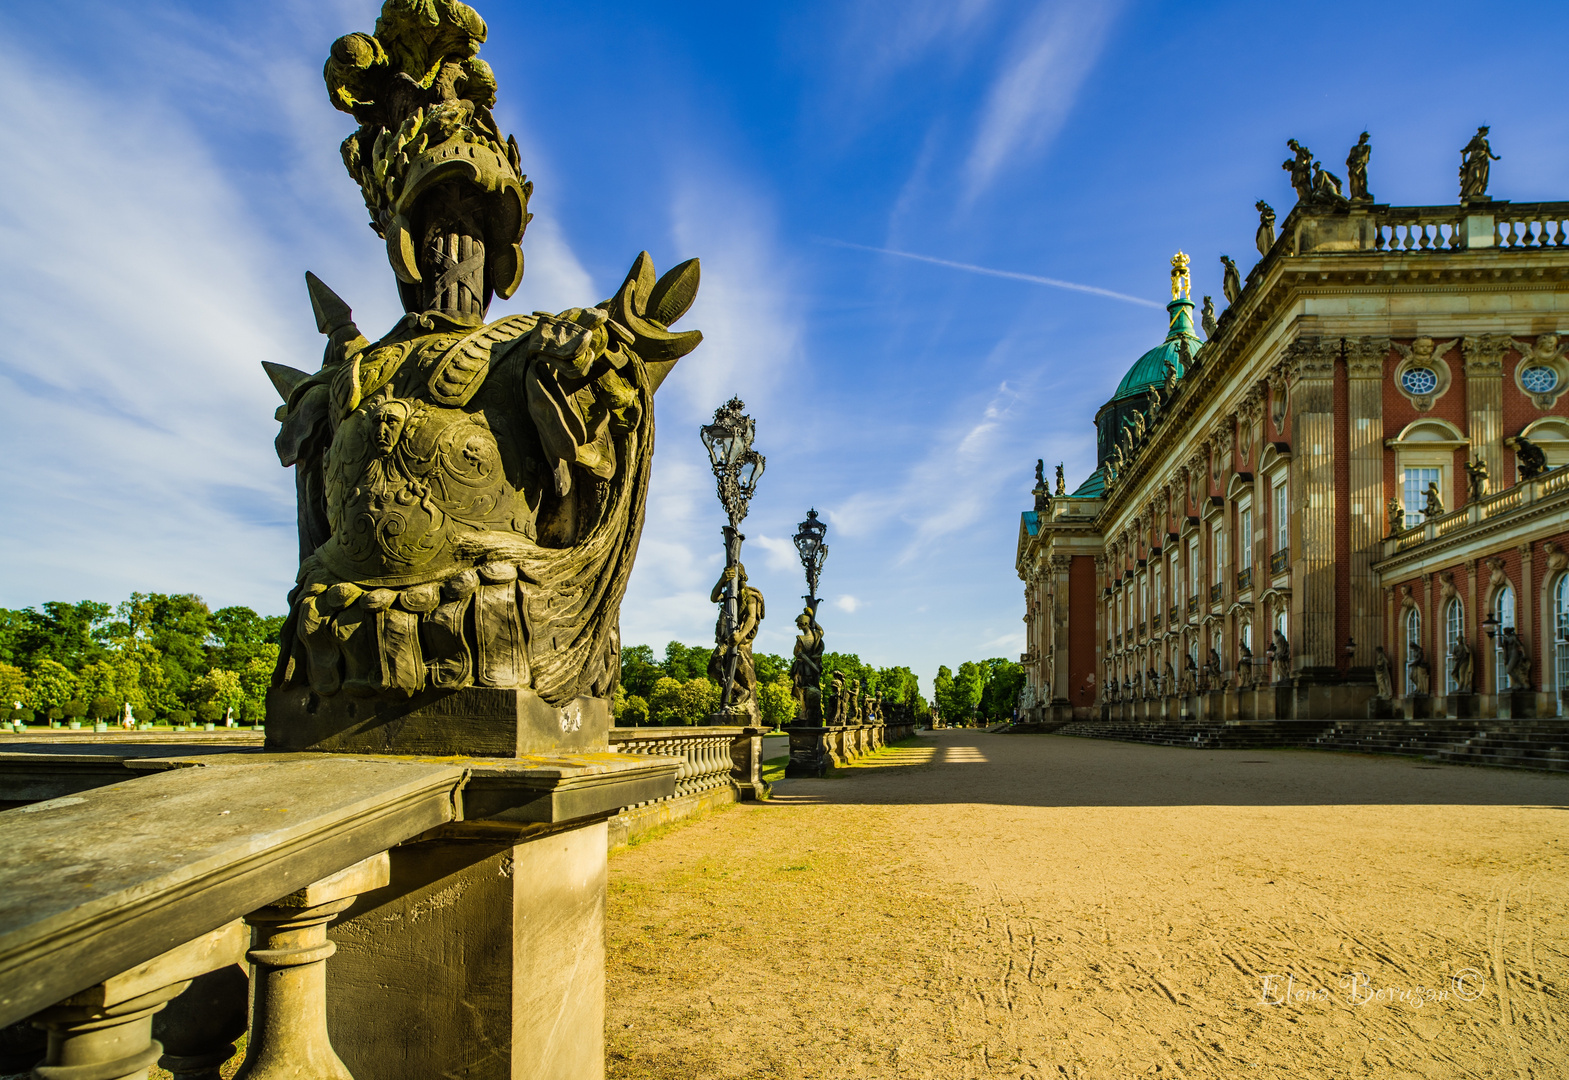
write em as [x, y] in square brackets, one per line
[1462, 666]
[1199, 679]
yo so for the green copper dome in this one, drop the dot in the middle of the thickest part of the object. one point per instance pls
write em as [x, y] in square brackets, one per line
[1150, 369]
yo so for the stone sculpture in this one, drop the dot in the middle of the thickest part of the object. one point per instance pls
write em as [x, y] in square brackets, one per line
[737, 640]
[1383, 673]
[1154, 405]
[1169, 387]
[1517, 662]
[1356, 169]
[1300, 166]
[470, 494]
[1475, 165]
[1265, 236]
[1326, 185]
[1040, 491]
[1062, 483]
[1231, 284]
[1169, 681]
[1281, 658]
[1212, 667]
[834, 714]
[1397, 516]
[1476, 480]
[806, 669]
[1244, 665]
[1190, 676]
[1461, 663]
[1151, 683]
[1531, 462]
[1419, 668]
[1432, 501]
[1207, 318]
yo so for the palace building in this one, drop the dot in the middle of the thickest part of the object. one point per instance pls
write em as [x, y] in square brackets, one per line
[1346, 498]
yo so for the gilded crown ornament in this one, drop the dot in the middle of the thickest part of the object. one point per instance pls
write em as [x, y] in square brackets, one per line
[1179, 276]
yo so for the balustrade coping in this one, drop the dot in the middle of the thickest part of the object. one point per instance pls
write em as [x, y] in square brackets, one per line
[660, 731]
[100, 881]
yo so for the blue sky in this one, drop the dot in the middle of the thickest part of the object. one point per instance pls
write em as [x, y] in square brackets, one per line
[172, 170]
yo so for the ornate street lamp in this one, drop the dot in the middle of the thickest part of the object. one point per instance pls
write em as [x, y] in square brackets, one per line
[737, 468]
[809, 544]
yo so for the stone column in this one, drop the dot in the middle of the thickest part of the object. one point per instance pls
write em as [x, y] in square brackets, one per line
[1484, 398]
[1312, 362]
[1365, 381]
[1524, 597]
[1061, 692]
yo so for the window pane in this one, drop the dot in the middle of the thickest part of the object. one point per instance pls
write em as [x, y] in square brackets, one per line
[1415, 492]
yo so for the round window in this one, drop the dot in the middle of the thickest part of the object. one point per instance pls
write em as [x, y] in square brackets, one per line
[1419, 380]
[1539, 380]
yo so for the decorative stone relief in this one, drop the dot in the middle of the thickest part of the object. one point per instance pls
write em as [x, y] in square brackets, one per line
[1365, 357]
[1542, 373]
[1422, 376]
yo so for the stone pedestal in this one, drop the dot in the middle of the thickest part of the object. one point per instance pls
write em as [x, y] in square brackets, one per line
[1330, 699]
[812, 750]
[1518, 705]
[1382, 708]
[1462, 706]
[746, 758]
[1190, 707]
[482, 958]
[1213, 706]
[1417, 707]
[477, 722]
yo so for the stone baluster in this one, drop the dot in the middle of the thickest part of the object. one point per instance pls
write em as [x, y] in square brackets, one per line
[106, 1031]
[289, 993]
[199, 1029]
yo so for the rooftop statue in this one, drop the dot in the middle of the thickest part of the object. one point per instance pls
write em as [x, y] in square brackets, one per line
[1179, 276]
[1475, 165]
[1356, 169]
[471, 494]
[1170, 385]
[1154, 405]
[1476, 480]
[1300, 166]
[1265, 236]
[1432, 502]
[1207, 318]
[1062, 483]
[1231, 284]
[1041, 492]
[1531, 461]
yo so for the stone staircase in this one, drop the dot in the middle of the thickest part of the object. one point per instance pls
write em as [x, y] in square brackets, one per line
[1516, 744]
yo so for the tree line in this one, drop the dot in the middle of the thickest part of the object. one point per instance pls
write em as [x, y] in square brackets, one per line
[676, 690]
[983, 692]
[169, 657]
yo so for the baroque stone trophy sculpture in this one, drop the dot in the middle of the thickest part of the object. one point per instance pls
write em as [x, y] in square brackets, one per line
[471, 493]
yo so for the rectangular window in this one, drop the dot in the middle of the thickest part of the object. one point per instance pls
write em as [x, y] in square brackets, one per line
[1282, 521]
[1193, 566]
[1218, 572]
[1245, 536]
[1415, 491]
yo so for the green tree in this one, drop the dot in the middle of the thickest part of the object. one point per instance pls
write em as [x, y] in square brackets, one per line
[50, 685]
[14, 686]
[770, 667]
[686, 662]
[69, 634]
[74, 709]
[103, 707]
[699, 699]
[639, 670]
[776, 701]
[634, 713]
[1004, 679]
[664, 703]
[178, 627]
[942, 694]
[221, 688]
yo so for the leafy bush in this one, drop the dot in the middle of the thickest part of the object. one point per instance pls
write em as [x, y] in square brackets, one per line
[75, 709]
[210, 711]
[634, 713]
[181, 717]
[776, 701]
[103, 708]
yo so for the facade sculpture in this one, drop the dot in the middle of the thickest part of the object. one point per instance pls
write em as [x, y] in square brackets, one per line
[1461, 665]
[1280, 657]
[1264, 237]
[1432, 501]
[1396, 514]
[1383, 673]
[1231, 284]
[1207, 317]
[1356, 169]
[1419, 669]
[1300, 166]
[734, 640]
[470, 494]
[1062, 483]
[1476, 480]
[1244, 666]
[1517, 662]
[1476, 160]
[1531, 461]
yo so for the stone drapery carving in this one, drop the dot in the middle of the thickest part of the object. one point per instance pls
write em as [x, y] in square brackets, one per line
[1300, 167]
[1397, 516]
[1244, 666]
[471, 494]
[1231, 281]
[1476, 480]
[1432, 501]
[736, 640]
[1531, 461]
[1207, 318]
[1476, 159]
[1280, 658]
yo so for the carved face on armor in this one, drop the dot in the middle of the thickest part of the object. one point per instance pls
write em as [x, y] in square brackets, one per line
[387, 423]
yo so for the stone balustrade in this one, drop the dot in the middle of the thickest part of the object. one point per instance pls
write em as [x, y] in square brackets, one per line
[814, 750]
[133, 908]
[1460, 522]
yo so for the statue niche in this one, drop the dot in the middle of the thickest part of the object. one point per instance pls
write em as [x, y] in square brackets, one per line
[471, 493]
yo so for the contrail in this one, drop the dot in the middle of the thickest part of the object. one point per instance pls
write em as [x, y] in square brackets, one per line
[1013, 274]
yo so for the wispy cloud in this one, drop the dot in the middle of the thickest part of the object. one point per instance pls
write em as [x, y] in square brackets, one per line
[1035, 91]
[1036, 279]
[847, 604]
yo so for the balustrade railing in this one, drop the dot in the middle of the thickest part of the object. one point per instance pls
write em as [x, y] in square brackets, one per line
[1216, 592]
[1244, 579]
[1451, 228]
[706, 753]
[127, 895]
[1523, 494]
[1279, 561]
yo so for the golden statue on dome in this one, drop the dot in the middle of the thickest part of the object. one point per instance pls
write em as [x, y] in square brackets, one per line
[1179, 276]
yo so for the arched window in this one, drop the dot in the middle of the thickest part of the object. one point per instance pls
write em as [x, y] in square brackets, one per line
[1413, 642]
[1561, 635]
[1454, 633]
[1504, 612]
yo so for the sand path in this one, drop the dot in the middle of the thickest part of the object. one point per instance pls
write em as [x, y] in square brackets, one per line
[1042, 906]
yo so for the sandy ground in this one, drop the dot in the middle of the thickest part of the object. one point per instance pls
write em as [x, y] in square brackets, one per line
[1043, 906]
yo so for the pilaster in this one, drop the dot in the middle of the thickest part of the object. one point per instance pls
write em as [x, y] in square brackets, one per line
[1059, 615]
[1365, 380]
[1312, 366]
[1484, 395]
